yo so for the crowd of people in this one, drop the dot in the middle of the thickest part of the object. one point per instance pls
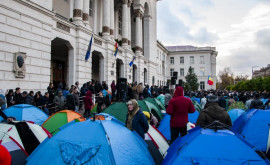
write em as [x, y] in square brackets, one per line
[76, 98]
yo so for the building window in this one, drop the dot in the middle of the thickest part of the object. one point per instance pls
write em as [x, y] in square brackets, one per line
[120, 21]
[201, 59]
[182, 60]
[202, 70]
[171, 72]
[191, 59]
[172, 60]
[182, 72]
[91, 8]
[202, 85]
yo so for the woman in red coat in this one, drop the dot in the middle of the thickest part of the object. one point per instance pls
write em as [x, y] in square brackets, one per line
[179, 107]
[88, 103]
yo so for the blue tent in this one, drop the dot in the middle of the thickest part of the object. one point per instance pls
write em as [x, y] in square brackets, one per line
[253, 125]
[26, 112]
[205, 146]
[104, 141]
[235, 113]
[164, 126]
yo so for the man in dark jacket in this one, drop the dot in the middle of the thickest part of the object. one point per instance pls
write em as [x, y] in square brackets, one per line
[221, 101]
[44, 102]
[18, 97]
[212, 112]
[70, 100]
[179, 107]
[26, 99]
[256, 103]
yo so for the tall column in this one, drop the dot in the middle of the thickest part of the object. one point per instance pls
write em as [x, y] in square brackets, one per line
[138, 38]
[77, 12]
[86, 13]
[125, 23]
[116, 24]
[106, 19]
[112, 19]
[129, 24]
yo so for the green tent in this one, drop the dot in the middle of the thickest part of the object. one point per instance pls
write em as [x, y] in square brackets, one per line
[149, 107]
[156, 102]
[237, 105]
[118, 110]
[196, 105]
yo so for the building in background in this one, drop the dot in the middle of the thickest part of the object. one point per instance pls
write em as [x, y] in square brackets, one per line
[46, 41]
[263, 72]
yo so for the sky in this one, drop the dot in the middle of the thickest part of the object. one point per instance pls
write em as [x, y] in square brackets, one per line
[239, 29]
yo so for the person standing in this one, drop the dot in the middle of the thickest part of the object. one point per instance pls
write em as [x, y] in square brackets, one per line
[3, 95]
[51, 92]
[77, 100]
[88, 103]
[168, 97]
[179, 107]
[212, 112]
[9, 98]
[26, 99]
[203, 101]
[18, 97]
[2, 114]
[44, 102]
[256, 103]
[70, 100]
[60, 100]
[136, 120]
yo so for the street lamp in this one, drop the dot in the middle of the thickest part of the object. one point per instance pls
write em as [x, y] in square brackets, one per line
[252, 70]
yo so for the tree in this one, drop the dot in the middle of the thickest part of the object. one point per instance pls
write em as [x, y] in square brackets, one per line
[191, 80]
[226, 78]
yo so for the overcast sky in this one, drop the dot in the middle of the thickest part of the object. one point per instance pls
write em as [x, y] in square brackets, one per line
[239, 29]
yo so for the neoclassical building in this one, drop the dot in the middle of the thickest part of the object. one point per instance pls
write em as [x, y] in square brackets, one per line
[44, 41]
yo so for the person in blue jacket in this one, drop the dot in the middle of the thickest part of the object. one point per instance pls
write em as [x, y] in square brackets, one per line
[136, 120]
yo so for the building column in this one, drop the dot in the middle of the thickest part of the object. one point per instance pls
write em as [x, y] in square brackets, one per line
[138, 35]
[77, 12]
[106, 19]
[116, 24]
[129, 24]
[86, 13]
[112, 19]
[125, 23]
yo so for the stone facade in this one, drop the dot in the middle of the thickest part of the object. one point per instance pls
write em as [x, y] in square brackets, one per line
[54, 36]
[263, 72]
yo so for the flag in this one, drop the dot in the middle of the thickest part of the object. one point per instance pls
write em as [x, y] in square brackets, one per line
[132, 61]
[115, 49]
[87, 56]
[210, 81]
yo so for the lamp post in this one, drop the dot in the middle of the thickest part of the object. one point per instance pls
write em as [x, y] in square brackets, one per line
[252, 70]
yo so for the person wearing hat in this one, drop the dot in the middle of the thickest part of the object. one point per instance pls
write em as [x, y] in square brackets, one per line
[60, 100]
[212, 112]
[136, 120]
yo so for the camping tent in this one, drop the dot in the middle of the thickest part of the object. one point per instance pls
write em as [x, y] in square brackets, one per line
[149, 107]
[164, 126]
[156, 102]
[26, 112]
[196, 105]
[235, 113]
[21, 138]
[253, 125]
[207, 146]
[105, 141]
[59, 119]
[196, 99]
[159, 139]
[118, 110]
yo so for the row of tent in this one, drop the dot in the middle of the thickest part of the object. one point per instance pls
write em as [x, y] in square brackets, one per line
[252, 125]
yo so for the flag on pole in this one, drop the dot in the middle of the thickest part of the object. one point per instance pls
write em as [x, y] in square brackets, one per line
[87, 56]
[115, 49]
[210, 81]
[132, 61]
